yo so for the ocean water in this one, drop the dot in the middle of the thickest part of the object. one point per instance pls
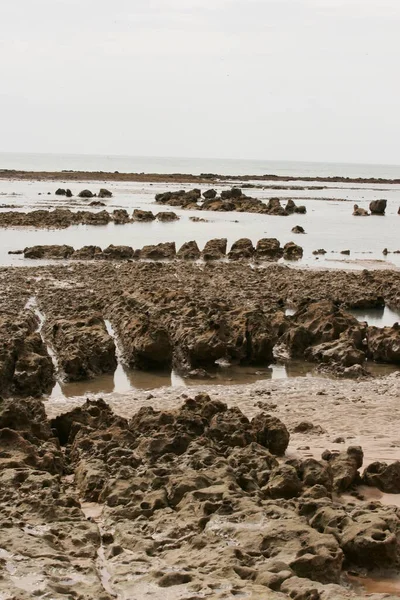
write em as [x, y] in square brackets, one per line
[194, 166]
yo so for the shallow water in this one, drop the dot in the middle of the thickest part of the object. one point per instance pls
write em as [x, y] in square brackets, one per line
[329, 224]
[377, 317]
[126, 380]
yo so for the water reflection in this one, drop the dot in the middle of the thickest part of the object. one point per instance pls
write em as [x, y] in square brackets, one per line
[377, 317]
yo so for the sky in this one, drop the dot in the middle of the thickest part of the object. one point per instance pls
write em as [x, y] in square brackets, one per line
[263, 79]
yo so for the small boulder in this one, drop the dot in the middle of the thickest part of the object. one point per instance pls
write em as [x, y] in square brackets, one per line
[215, 249]
[209, 194]
[383, 476]
[292, 251]
[118, 252]
[298, 229]
[103, 193]
[378, 207]
[85, 194]
[243, 248]
[142, 215]
[167, 217]
[268, 249]
[163, 251]
[189, 251]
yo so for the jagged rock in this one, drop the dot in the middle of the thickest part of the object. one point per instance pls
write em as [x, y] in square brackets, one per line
[84, 348]
[118, 252]
[167, 217]
[383, 476]
[320, 251]
[87, 253]
[189, 251]
[49, 252]
[215, 249]
[142, 215]
[344, 467]
[268, 249]
[103, 193]
[292, 251]
[274, 207]
[384, 343]
[232, 193]
[243, 248]
[209, 194]
[120, 216]
[161, 251]
[283, 483]
[291, 208]
[271, 433]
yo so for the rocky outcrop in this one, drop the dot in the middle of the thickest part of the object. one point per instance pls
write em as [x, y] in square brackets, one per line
[268, 249]
[85, 194]
[215, 249]
[26, 369]
[383, 476]
[63, 192]
[87, 253]
[189, 251]
[243, 248]
[291, 207]
[163, 251]
[209, 194]
[378, 207]
[167, 217]
[142, 215]
[120, 216]
[117, 253]
[49, 252]
[230, 200]
[298, 229]
[292, 251]
[83, 346]
[104, 193]
[384, 344]
[320, 331]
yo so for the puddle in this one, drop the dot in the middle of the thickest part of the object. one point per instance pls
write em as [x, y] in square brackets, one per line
[376, 585]
[377, 317]
[126, 380]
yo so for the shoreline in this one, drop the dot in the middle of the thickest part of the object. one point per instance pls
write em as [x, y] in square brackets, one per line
[203, 178]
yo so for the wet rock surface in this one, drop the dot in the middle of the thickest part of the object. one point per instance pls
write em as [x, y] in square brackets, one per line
[182, 500]
[190, 315]
[230, 200]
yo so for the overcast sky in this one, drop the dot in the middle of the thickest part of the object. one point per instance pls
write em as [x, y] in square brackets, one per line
[268, 79]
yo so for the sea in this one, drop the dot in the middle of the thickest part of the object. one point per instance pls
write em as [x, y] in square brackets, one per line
[193, 166]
